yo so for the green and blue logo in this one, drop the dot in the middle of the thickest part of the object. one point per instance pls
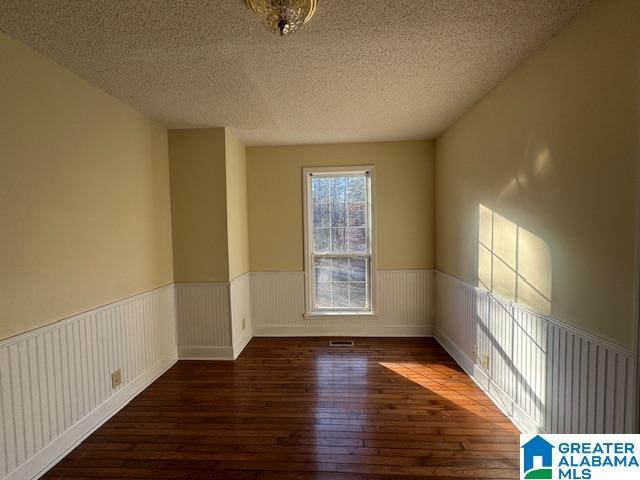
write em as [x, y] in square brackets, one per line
[537, 459]
[580, 457]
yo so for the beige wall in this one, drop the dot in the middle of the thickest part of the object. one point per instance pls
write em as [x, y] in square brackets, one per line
[237, 215]
[536, 185]
[404, 203]
[84, 195]
[199, 205]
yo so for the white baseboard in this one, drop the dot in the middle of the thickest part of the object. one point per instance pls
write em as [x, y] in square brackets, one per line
[452, 349]
[506, 405]
[356, 331]
[205, 353]
[239, 346]
[56, 450]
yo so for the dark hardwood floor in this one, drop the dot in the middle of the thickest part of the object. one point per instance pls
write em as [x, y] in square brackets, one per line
[294, 408]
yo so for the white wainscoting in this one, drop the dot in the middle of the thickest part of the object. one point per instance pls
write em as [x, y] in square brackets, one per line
[204, 321]
[55, 382]
[55, 385]
[405, 306]
[240, 298]
[546, 375]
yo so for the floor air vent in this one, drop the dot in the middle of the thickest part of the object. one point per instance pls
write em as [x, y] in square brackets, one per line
[341, 343]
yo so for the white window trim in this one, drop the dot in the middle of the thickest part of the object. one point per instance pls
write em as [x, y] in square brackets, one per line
[308, 239]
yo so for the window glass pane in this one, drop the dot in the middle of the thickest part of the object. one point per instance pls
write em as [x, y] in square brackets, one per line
[323, 269]
[322, 240]
[358, 269]
[323, 295]
[357, 240]
[321, 189]
[338, 214]
[321, 216]
[339, 189]
[358, 295]
[357, 188]
[338, 240]
[340, 295]
[357, 214]
[341, 283]
[340, 270]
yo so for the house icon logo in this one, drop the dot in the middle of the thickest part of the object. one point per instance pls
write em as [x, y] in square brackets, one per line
[537, 459]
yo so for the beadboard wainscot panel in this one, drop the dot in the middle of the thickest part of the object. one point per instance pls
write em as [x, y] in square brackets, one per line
[241, 325]
[547, 376]
[204, 321]
[404, 306]
[55, 382]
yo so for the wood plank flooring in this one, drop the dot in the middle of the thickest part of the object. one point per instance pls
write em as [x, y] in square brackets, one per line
[295, 408]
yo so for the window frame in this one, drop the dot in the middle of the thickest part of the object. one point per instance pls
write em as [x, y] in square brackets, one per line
[307, 175]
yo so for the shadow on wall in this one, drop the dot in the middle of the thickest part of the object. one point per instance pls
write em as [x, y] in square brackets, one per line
[514, 264]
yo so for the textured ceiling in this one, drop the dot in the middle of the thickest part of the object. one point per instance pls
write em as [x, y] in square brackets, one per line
[368, 70]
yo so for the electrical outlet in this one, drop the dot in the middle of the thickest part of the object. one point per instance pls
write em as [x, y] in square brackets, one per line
[485, 361]
[116, 378]
[244, 323]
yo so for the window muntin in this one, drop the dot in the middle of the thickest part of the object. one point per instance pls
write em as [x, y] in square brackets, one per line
[339, 241]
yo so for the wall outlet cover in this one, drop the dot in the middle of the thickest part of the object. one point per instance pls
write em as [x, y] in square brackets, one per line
[485, 361]
[116, 378]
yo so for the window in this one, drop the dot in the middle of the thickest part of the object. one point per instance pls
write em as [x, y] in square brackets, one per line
[339, 242]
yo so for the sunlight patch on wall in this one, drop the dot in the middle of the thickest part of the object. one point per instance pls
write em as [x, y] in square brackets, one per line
[513, 262]
[542, 162]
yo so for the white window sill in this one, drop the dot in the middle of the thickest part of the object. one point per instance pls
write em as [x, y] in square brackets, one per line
[342, 315]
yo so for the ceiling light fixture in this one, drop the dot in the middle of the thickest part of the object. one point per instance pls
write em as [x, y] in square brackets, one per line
[283, 17]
